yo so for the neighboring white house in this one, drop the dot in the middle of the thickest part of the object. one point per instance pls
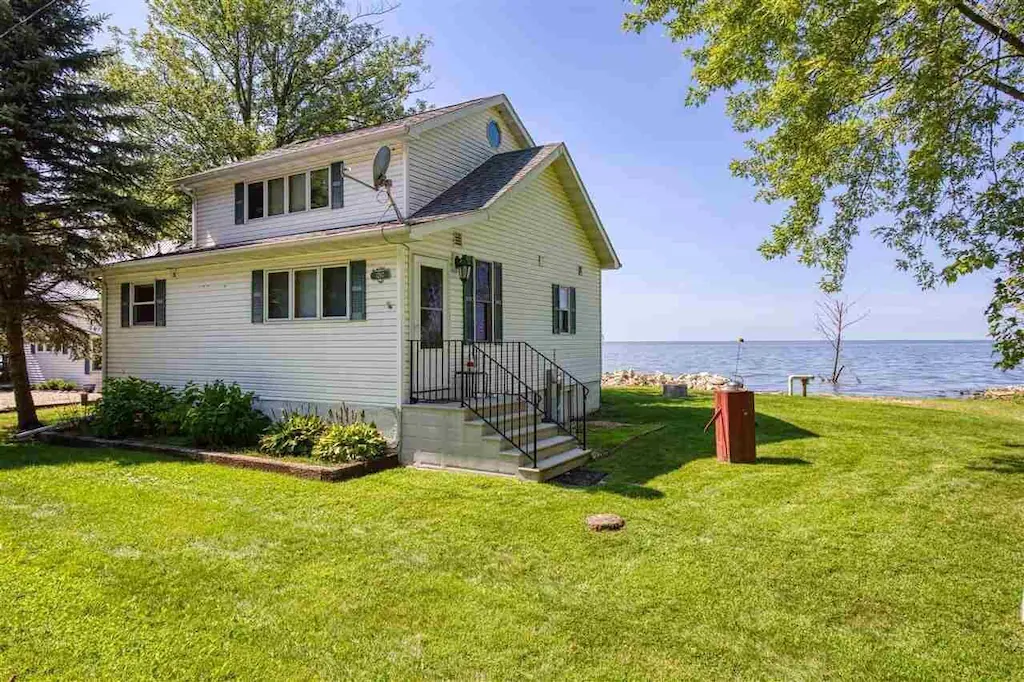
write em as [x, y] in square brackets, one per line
[46, 361]
[312, 290]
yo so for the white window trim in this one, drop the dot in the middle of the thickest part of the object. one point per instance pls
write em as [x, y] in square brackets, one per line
[567, 329]
[319, 293]
[131, 309]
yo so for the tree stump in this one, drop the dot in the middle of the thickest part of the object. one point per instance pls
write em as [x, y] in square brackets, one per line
[601, 522]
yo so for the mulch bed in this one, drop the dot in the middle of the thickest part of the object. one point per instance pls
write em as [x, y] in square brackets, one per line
[319, 472]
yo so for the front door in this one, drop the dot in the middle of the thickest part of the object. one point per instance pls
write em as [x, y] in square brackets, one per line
[429, 364]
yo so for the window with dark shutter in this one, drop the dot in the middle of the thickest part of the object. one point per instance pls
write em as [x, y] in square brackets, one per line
[555, 324]
[572, 310]
[337, 185]
[468, 305]
[126, 304]
[357, 302]
[563, 309]
[161, 303]
[257, 296]
[239, 203]
[499, 322]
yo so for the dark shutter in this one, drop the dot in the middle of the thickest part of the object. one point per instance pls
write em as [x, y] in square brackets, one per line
[468, 304]
[88, 366]
[33, 348]
[337, 185]
[499, 323]
[160, 306]
[239, 203]
[555, 327]
[572, 310]
[126, 304]
[257, 297]
[357, 303]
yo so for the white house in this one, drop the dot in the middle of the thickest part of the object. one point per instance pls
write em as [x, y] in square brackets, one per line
[459, 304]
[47, 361]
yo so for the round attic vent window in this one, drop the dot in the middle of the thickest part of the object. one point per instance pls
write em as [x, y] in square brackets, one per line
[493, 134]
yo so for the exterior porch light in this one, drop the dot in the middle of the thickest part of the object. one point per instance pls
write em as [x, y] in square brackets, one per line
[464, 264]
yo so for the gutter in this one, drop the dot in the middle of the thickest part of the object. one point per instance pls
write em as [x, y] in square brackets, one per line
[401, 230]
[399, 133]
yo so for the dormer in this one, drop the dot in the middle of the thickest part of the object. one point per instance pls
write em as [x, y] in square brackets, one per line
[301, 188]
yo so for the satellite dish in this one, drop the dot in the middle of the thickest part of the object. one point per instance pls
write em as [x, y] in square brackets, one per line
[380, 166]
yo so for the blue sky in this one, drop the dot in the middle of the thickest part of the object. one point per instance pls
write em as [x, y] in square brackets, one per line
[685, 229]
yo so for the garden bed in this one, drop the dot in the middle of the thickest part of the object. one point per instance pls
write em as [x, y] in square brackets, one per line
[319, 472]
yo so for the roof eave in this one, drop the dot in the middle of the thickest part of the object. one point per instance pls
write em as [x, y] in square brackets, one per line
[371, 235]
[189, 181]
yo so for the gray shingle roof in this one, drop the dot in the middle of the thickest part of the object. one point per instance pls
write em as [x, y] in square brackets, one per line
[484, 184]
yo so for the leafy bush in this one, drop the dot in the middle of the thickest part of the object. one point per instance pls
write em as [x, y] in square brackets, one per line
[56, 385]
[293, 436]
[221, 415]
[132, 408]
[351, 443]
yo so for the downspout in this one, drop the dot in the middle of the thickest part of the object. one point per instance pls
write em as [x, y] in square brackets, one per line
[103, 332]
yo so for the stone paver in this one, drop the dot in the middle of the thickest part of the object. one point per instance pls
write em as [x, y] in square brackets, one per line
[45, 398]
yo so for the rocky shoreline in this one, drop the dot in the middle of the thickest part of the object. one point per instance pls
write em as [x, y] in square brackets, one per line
[706, 381]
[699, 381]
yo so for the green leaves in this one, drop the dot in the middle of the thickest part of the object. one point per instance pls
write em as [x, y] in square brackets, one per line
[903, 115]
[216, 82]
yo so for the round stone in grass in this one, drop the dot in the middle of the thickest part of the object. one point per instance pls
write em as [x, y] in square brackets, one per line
[601, 522]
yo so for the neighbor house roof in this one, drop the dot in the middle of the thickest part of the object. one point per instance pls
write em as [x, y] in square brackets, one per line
[413, 124]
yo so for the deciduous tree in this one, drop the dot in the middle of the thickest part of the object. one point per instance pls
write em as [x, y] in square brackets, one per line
[900, 114]
[217, 81]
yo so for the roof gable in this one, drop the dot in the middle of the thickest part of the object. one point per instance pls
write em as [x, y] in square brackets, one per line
[502, 174]
[414, 124]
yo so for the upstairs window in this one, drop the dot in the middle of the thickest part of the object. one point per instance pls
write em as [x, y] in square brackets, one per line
[297, 193]
[275, 196]
[563, 309]
[255, 200]
[319, 188]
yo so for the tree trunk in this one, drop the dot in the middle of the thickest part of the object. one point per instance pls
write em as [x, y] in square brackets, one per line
[27, 418]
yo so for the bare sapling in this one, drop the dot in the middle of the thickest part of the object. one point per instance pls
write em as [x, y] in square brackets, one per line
[833, 318]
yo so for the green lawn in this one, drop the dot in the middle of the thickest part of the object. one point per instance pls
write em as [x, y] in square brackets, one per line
[873, 540]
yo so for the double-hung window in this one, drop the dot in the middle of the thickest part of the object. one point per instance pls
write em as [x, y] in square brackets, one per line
[308, 293]
[563, 309]
[143, 304]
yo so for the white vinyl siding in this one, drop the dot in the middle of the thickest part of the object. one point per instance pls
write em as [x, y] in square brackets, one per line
[43, 365]
[442, 156]
[537, 221]
[210, 335]
[215, 217]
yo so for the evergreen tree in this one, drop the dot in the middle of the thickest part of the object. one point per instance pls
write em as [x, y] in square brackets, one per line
[69, 178]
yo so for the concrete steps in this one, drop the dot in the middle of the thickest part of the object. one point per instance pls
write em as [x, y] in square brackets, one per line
[451, 437]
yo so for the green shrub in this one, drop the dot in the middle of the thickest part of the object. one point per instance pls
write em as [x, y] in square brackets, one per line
[56, 385]
[351, 443]
[132, 407]
[221, 415]
[293, 436]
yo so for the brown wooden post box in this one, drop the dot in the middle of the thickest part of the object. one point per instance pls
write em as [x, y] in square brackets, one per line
[734, 426]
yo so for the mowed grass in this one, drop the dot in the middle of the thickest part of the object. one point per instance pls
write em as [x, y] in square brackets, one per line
[873, 540]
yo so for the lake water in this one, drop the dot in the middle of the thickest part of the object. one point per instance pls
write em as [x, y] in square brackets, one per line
[893, 368]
